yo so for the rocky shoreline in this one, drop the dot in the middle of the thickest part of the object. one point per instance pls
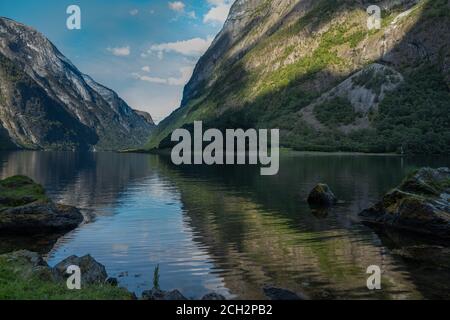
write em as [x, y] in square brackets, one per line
[27, 266]
[420, 204]
[26, 210]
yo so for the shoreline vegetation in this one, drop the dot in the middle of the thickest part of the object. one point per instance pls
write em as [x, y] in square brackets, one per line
[25, 276]
[283, 151]
[421, 203]
[25, 209]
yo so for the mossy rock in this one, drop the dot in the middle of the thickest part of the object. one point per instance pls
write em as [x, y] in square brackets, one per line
[25, 209]
[420, 204]
[322, 195]
[427, 181]
[20, 190]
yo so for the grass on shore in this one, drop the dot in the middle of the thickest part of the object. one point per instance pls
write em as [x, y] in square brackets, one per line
[20, 190]
[16, 283]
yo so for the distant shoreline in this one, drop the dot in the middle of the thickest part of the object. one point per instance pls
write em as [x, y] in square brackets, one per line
[288, 151]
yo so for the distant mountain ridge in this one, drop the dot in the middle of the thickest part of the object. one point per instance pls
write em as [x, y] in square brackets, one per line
[314, 70]
[47, 103]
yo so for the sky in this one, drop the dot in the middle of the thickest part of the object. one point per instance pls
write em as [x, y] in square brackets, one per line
[145, 50]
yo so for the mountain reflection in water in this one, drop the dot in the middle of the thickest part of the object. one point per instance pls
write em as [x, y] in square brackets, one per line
[228, 229]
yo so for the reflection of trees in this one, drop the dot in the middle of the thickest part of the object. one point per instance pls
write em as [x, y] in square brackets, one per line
[85, 180]
[257, 236]
[256, 229]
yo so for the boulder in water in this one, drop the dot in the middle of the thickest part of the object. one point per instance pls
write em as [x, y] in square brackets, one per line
[419, 204]
[322, 195]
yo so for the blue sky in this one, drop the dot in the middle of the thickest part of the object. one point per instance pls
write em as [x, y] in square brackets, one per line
[145, 50]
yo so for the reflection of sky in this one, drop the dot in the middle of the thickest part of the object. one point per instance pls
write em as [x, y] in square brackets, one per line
[114, 44]
[146, 229]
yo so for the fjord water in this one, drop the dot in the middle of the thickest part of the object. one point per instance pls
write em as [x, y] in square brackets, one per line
[228, 229]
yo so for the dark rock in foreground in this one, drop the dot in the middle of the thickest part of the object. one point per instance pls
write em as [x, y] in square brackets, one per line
[91, 271]
[25, 209]
[322, 195]
[112, 281]
[419, 204]
[156, 294]
[213, 296]
[274, 293]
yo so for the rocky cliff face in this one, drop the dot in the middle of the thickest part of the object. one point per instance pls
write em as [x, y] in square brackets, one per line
[47, 103]
[315, 70]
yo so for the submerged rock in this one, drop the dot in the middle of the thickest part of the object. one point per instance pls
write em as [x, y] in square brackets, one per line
[419, 204]
[213, 296]
[156, 294]
[274, 293]
[91, 271]
[322, 195]
[25, 209]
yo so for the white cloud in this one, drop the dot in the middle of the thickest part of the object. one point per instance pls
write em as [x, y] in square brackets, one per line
[134, 12]
[185, 75]
[192, 47]
[120, 51]
[218, 12]
[146, 69]
[180, 7]
[177, 6]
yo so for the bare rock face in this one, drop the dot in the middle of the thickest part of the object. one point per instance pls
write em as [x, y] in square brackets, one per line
[72, 110]
[322, 195]
[146, 116]
[421, 203]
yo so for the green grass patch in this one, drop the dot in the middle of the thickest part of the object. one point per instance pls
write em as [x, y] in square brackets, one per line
[20, 190]
[15, 286]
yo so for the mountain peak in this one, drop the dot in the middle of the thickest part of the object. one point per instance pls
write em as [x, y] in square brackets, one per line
[33, 71]
[289, 65]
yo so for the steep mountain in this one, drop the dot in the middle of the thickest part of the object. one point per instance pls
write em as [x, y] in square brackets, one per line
[47, 103]
[314, 69]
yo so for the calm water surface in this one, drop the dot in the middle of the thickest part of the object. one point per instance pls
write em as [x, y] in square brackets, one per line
[228, 229]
